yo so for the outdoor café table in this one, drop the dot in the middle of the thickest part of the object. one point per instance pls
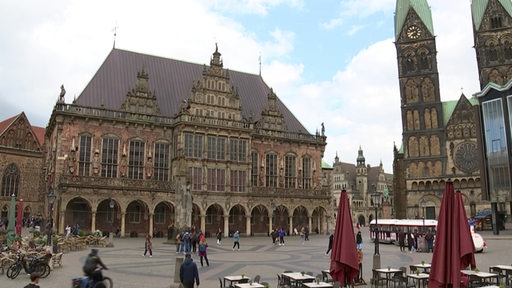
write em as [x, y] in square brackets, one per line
[503, 270]
[297, 278]
[317, 285]
[249, 285]
[388, 273]
[234, 279]
[484, 276]
[424, 266]
[420, 279]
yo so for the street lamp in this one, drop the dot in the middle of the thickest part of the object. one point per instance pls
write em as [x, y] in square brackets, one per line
[111, 204]
[377, 199]
[51, 200]
[423, 205]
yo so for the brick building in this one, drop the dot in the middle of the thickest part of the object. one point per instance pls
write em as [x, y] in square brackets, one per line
[146, 128]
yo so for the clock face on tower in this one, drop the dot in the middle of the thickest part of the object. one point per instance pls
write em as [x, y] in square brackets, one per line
[413, 32]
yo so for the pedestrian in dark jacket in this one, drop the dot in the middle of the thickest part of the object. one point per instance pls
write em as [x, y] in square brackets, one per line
[329, 247]
[188, 272]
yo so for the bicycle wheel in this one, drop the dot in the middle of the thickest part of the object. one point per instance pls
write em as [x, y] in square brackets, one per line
[13, 271]
[106, 283]
[43, 269]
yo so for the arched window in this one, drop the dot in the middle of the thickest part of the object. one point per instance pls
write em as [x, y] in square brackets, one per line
[10, 181]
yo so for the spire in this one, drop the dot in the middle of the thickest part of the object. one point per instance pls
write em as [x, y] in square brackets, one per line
[478, 8]
[216, 60]
[360, 157]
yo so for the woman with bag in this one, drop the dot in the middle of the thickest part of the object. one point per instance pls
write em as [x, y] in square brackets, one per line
[202, 251]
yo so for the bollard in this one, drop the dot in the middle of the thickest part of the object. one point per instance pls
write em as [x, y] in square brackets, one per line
[176, 283]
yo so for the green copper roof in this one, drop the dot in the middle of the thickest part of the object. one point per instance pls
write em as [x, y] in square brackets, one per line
[449, 107]
[478, 9]
[326, 165]
[422, 9]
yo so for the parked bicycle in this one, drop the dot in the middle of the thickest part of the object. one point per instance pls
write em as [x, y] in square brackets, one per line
[86, 282]
[30, 264]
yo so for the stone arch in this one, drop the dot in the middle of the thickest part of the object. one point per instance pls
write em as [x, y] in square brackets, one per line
[300, 217]
[361, 220]
[78, 211]
[319, 220]
[260, 220]
[237, 219]
[214, 218]
[137, 217]
[163, 216]
[280, 217]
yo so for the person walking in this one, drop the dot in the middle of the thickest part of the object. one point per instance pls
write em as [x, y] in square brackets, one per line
[359, 241]
[148, 246]
[281, 237]
[236, 240]
[34, 280]
[188, 272]
[178, 242]
[219, 237]
[306, 234]
[329, 246]
[202, 251]
[401, 240]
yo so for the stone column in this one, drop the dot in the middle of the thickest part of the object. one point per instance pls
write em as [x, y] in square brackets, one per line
[93, 221]
[123, 223]
[226, 225]
[203, 223]
[290, 223]
[309, 225]
[61, 221]
[270, 224]
[248, 225]
[150, 231]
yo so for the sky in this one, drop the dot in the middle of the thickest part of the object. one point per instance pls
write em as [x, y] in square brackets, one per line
[331, 62]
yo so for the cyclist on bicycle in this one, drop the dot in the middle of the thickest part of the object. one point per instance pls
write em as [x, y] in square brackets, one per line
[92, 263]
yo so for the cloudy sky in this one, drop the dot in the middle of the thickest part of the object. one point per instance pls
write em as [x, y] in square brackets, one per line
[331, 61]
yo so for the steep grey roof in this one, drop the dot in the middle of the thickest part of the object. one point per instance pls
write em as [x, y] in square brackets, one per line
[171, 80]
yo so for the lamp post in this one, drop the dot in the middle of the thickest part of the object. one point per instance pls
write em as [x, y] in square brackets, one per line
[51, 200]
[111, 204]
[423, 205]
[377, 198]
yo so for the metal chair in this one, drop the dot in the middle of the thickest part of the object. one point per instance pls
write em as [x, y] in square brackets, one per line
[256, 279]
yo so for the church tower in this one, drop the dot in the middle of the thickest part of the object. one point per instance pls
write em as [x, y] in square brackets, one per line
[492, 33]
[422, 113]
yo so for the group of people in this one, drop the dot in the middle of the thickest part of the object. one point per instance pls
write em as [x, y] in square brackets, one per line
[408, 241]
[277, 236]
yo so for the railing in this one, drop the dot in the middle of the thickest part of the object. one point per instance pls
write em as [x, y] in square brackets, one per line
[118, 183]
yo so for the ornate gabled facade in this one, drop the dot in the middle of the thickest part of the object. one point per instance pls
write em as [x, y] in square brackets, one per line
[440, 139]
[21, 165]
[222, 137]
[360, 181]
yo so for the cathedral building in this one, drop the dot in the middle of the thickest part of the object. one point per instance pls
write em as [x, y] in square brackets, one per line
[148, 130]
[441, 140]
[360, 181]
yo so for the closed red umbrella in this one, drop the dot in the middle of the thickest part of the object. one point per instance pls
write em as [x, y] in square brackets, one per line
[454, 249]
[344, 267]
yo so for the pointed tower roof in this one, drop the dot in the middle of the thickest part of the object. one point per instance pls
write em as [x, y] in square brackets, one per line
[420, 7]
[478, 10]
[360, 156]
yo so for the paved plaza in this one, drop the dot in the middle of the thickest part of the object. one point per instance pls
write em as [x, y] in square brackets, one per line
[128, 268]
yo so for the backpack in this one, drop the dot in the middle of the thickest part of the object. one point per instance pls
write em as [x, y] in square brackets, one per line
[186, 236]
[202, 247]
